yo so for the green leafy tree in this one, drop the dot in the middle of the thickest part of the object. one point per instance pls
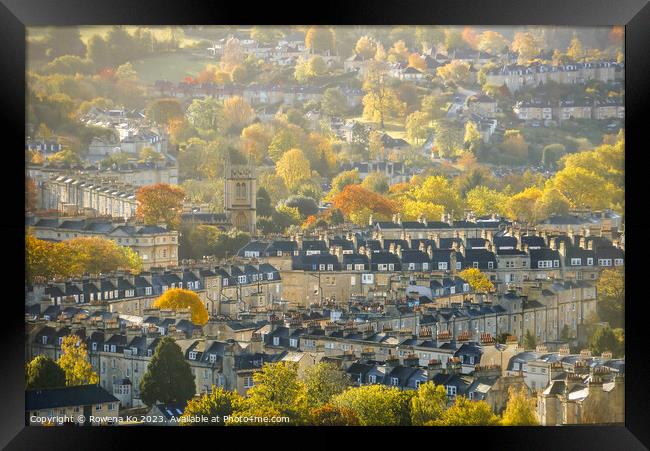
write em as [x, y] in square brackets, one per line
[217, 403]
[334, 102]
[605, 339]
[530, 341]
[324, 381]
[376, 182]
[610, 289]
[168, 378]
[376, 405]
[428, 404]
[277, 389]
[75, 363]
[43, 372]
[467, 413]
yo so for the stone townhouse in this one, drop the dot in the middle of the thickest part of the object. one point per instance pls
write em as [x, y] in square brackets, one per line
[121, 357]
[156, 245]
[66, 405]
[516, 77]
[533, 110]
[573, 109]
[91, 196]
[224, 290]
[609, 108]
[483, 105]
[597, 397]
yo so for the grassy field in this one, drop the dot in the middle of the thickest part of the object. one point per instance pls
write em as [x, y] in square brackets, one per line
[89, 31]
[173, 67]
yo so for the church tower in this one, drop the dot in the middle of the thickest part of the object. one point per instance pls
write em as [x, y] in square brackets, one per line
[240, 196]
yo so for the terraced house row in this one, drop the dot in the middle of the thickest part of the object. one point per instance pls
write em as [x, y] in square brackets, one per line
[224, 289]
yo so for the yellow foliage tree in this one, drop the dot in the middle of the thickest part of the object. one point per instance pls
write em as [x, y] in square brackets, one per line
[477, 280]
[522, 206]
[520, 410]
[180, 299]
[75, 363]
[294, 168]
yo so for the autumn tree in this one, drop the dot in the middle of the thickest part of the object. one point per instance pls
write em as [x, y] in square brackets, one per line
[75, 363]
[72, 258]
[454, 72]
[255, 141]
[358, 204]
[366, 47]
[520, 409]
[438, 191]
[376, 182]
[294, 168]
[530, 340]
[330, 415]
[160, 202]
[162, 111]
[523, 206]
[233, 55]
[527, 45]
[429, 37]
[380, 101]
[428, 403]
[472, 138]
[323, 381]
[320, 39]
[417, 126]
[575, 50]
[180, 299]
[217, 403]
[399, 51]
[43, 372]
[205, 114]
[448, 137]
[237, 113]
[552, 202]
[492, 42]
[514, 145]
[168, 378]
[376, 405]
[467, 413]
[277, 390]
[610, 289]
[343, 179]
[477, 280]
[417, 62]
[485, 201]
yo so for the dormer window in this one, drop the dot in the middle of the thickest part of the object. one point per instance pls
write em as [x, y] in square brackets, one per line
[148, 352]
[44, 339]
[134, 350]
[293, 342]
[147, 290]
[192, 355]
[276, 341]
[60, 340]
[113, 348]
[490, 265]
[106, 348]
[394, 381]
[372, 379]
[213, 358]
[94, 346]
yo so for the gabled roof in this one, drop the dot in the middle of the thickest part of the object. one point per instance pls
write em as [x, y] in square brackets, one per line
[81, 395]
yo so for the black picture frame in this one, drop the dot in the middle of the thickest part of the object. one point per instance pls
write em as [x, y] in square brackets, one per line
[15, 15]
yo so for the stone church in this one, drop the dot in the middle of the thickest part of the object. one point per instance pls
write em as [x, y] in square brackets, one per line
[240, 195]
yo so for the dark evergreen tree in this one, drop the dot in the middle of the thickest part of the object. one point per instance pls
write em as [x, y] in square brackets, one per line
[43, 372]
[168, 378]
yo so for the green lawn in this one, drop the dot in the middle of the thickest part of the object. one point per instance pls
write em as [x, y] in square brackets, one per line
[173, 67]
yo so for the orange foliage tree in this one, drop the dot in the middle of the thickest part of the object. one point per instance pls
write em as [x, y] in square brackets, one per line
[160, 202]
[179, 299]
[358, 204]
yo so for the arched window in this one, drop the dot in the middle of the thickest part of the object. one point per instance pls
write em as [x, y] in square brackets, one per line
[243, 190]
[238, 190]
